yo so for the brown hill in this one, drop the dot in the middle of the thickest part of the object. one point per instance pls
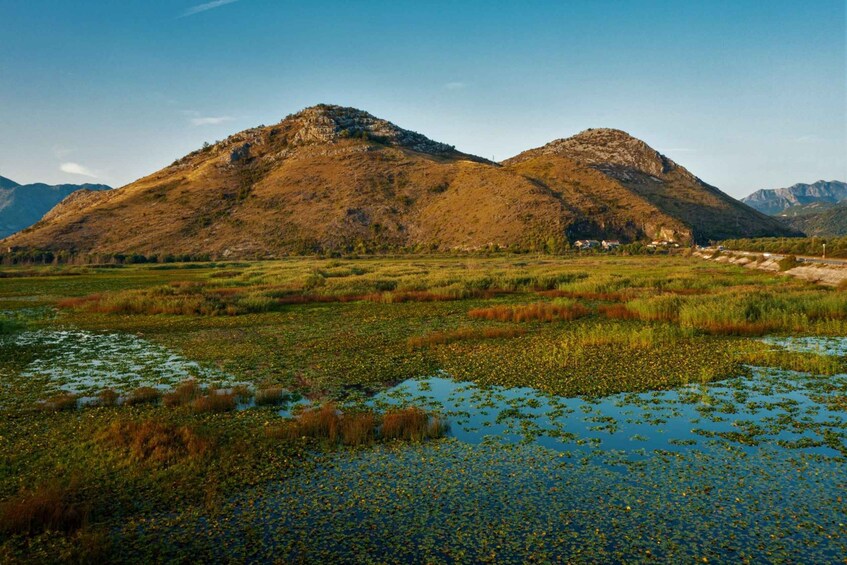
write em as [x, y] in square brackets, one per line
[636, 182]
[333, 178]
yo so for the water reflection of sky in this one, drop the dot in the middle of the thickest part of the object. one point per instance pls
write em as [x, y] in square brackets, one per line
[771, 406]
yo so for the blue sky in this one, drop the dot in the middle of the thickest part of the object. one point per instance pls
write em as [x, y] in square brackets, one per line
[746, 95]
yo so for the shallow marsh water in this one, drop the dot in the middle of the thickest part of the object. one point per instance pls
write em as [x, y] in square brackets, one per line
[747, 469]
[83, 362]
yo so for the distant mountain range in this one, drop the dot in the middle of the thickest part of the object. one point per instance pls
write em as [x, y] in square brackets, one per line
[23, 205]
[332, 178]
[817, 209]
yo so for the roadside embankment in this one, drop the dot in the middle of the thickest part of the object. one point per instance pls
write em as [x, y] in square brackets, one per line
[814, 270]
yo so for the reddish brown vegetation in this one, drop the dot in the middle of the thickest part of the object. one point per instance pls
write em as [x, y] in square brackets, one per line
[617, 312]
[182, 394]
[738, 328]
[411, 424]
[585, 295]
[59, 402]
[215, 401]
[156, 442]
[540, 311]
[107, 397]
[80, 301]
[270, 395]
[50, 506]
[441, 338]
[327, 422]
[143, 395]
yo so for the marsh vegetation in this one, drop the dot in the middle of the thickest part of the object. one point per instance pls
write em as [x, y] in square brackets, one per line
[255, 385]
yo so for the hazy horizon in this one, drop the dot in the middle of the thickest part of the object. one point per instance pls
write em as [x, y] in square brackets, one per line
[744, 98]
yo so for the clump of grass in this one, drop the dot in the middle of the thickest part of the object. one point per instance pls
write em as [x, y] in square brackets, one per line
[80, 301]
[107, 397]
[541, 311]
[59, 402]
[143, 395]
[271, 396]
[441, 338]
[152, 441]
[412, 424]
[182, 394]
[321, 422]
[50, 506]
[215, 401]
[663, 308]
[617, 312]
[358, 427]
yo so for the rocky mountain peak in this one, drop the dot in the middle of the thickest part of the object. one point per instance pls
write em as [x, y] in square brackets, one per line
[606, 146]
[326, 123]
[775, 200]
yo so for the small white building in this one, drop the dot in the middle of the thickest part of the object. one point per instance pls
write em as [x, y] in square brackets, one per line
[586, 244]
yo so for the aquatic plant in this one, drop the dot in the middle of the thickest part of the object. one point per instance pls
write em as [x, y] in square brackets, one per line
[53, 505]
[154, 441]
[412, 424]
[440, 338]
[540, 311]
[215, 401]
[360, 426]
[183, 394]
[59, 402]
[271, 395]
[143, 395]
[107, 397]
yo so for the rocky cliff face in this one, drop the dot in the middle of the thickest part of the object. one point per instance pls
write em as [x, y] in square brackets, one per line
[774, 201]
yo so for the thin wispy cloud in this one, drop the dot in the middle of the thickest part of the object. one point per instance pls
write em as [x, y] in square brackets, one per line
[806, 139]
[61, 152]
[211, 120]
[77, 169]
[454, 85]
[205, 7]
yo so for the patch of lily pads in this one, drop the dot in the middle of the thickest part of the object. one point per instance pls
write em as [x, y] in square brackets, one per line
[750, 469]
[83, 362]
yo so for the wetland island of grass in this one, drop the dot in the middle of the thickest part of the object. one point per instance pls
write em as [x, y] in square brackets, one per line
[436, 409]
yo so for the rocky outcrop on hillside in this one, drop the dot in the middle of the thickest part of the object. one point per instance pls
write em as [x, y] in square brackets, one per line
[327, 124]
[666, 197]
[607, 149]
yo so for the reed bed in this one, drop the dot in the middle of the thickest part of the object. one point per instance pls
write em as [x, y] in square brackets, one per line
[51, 506]
[360, 427]
[442, 338]
[541, 311]
[157, 442]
